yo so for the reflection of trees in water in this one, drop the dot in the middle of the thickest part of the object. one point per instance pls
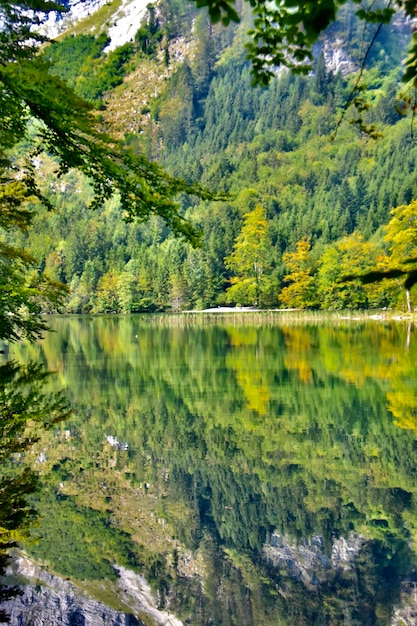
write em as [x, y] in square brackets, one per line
[318, 453]
[25, 410]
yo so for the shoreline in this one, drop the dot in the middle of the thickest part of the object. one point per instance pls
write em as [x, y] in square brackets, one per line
[252, 316]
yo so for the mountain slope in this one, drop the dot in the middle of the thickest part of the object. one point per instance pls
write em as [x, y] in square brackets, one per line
[120, 19]
[181, 93]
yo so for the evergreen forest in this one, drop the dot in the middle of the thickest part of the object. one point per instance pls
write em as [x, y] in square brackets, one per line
[309, 192]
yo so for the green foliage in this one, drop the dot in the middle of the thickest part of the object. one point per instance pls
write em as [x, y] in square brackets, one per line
[72, 55]
[81, 62]
[26, 406]
[249, 261]
[99, 546]
[301, 292]
[149, 34]
[26, 409]
[25, 293]
[66, 127]
[349, 256]
[273, 147]
[400, 234]
[284, 33]
[306, 184]
[20, 37]
[104, 74]
[239, 430]
[71, 133]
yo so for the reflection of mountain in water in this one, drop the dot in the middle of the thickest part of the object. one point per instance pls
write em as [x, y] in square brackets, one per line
[234, 435]
[53, 600]
[26, 410]
[306, 560]
[406, 613]
[357, 582]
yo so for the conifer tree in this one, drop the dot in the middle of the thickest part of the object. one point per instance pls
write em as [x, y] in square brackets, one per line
[321, 79]
[39, 107]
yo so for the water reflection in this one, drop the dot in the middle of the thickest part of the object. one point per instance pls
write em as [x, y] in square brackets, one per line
[255, 475]
[25, 410]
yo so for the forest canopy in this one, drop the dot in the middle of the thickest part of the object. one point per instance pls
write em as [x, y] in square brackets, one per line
[42, 115]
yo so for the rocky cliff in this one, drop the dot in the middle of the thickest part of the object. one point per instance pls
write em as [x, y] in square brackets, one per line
[126, 16]
[307, 561]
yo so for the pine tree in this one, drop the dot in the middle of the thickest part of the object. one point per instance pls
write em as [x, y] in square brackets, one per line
[321, 79]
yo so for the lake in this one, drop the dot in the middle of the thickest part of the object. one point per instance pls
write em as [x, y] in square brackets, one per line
[259, 472]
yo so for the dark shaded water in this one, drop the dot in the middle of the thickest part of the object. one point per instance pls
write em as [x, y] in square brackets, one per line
[254, 474]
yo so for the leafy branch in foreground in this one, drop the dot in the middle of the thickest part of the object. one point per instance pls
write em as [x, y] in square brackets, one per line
[284, 32]
[20, 20]
[68, 130]
[376, 275]
[25, 408]
[401, 235]
[40, 109]
[25, 292]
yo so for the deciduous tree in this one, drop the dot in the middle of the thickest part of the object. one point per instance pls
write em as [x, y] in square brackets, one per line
[249, 260]
[401, 234]
[300, 293]
[351, 256]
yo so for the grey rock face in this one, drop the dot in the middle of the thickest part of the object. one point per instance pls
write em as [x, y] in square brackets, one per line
[337, 59]
[126, 19]
[42, 606]
[406, 615]
[77, 10]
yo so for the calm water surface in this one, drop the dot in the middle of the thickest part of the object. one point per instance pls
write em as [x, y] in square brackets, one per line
[254, 474]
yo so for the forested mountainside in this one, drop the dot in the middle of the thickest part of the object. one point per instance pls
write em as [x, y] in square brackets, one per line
[308, 187]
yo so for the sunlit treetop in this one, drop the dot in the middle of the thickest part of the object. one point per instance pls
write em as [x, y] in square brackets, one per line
[284, 31]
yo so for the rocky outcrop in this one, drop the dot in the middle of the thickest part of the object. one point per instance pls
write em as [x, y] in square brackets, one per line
[406, 614]
[307, 562]
[39, 605]
[125, 20]
[337, 59]
[127, 17]
[335, 47]
[57, 22]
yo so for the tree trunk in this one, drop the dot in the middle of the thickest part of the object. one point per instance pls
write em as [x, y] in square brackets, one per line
[407, 295]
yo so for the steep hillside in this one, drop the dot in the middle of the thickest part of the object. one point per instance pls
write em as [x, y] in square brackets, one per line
[295, 165]
[120, 19]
